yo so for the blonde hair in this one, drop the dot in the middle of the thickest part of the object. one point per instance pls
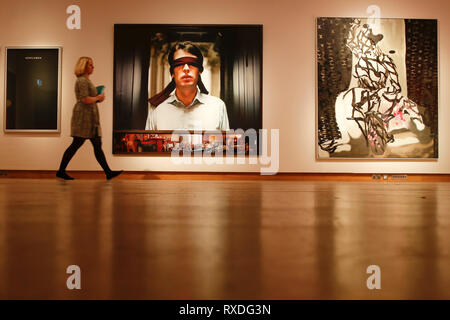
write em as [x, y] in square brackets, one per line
[80, 67]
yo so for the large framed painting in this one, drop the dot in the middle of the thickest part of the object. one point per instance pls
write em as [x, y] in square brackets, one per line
[377, 90]
[152, 90]
[32, 89]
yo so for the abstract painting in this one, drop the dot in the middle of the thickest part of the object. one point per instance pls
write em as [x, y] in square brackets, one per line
[377, 88]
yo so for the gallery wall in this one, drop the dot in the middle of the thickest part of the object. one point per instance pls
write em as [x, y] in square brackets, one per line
[289, 75]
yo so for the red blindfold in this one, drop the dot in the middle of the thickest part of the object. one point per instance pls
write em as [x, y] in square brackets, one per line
[186, 60]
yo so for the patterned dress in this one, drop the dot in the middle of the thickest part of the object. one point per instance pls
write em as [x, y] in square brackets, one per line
[85, 118]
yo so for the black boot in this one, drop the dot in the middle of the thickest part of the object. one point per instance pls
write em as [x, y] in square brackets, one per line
[113, 174]
[64, 175]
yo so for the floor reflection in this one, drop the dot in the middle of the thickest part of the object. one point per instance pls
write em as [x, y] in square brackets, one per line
[223, 239]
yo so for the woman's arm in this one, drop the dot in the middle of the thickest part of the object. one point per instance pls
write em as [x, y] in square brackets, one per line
[89, 100]
[82, 92]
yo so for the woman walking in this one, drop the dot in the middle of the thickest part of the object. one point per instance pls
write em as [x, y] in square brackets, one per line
[85, 122]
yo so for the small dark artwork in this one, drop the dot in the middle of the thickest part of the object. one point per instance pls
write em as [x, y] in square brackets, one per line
[377, 88]
[32, 88]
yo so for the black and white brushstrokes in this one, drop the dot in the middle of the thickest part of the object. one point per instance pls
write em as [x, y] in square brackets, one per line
[377, 90]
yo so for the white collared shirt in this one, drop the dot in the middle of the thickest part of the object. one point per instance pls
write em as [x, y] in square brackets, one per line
[205, 113]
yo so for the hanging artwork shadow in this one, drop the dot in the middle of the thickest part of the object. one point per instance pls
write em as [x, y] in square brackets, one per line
[377, 90]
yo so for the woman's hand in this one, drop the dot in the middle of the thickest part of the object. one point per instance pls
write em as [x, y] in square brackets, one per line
[101, 97]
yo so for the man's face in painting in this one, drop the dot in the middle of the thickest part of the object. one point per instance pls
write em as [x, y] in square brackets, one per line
[186, 76]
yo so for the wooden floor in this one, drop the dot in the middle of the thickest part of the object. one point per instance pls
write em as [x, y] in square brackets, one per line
[151, 239]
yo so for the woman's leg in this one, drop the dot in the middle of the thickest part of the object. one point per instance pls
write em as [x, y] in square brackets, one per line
[68, 155]
[100, 156]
